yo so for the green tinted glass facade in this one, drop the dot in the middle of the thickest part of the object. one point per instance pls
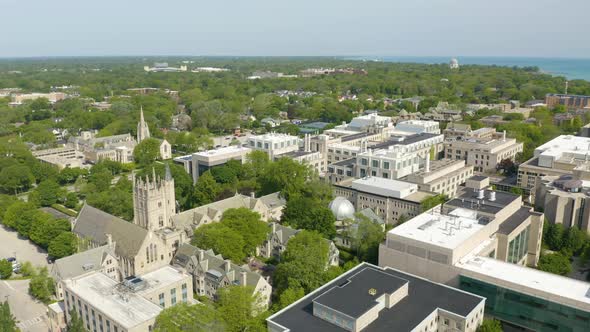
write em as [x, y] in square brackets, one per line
[527, 311]
[517, 248]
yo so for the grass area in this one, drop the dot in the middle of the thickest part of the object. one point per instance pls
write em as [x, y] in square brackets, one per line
[63, 209]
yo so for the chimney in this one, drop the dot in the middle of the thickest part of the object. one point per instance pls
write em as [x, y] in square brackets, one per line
[252, 194]
[227, 265]
[504, 135]
[201, 255]
[109, 240]
[427, 163]
[492, 196]
[243, 276]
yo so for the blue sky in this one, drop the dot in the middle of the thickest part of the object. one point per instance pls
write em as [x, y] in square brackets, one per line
[543, 28]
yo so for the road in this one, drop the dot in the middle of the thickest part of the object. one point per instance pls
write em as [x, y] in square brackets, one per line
[30, 314]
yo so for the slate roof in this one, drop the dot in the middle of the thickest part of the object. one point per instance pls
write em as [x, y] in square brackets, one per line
[80, 263]
[94, 224]
[215, 264]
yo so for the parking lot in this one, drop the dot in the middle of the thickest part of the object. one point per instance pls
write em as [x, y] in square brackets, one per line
[23, 249]
[30, 314]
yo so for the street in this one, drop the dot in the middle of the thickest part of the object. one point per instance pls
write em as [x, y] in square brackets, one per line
[30, 314]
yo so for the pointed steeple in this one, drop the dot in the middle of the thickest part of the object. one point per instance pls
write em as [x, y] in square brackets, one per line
[168, 175]
[143, 131]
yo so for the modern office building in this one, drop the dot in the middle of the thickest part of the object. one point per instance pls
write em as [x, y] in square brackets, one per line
[104, 304]
[200, 162]
[572, 102]
[565, 199]
[417, 127]
[478, 222]
[555, 158]
[63, 157]
[483, 154]
[390, 199]
[274, 144]
[443, 176]
[482, 242]
[370, 298]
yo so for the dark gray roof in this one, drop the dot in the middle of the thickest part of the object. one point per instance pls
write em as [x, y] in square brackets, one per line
[468, 200]
[346, 162]
[80, 263]
[477, 178]
[423, 298]
[94, 224]
[512, 222]
[357, 287]
[353, 137]
[407, 140]
[295, 154]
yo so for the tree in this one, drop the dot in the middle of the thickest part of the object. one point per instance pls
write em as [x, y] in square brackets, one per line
[310, 214]
[224, 174]
[70, 175]
[71, 200]
[101, 178]
[556, 263]
[189, 318]
[249, 225]
[240, 306]
[303, 262]
[64, 245]
[553, 236]
[288, 296]
[5, 269]
[490, 325]
[285, 175]
[15, 178]
[222, 240]
[146, 152]
[7, 320]
[206, 189]
[42, 286]
[49, 192]
[430, 202]
[46, 228]
[574, 239]
[76, 324]
[507, 167]
[366, 239]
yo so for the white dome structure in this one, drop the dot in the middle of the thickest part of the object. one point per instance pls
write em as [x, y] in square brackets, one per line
[342, 208]
[454, 64]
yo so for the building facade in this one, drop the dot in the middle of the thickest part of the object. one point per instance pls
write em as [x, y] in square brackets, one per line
[483, 154]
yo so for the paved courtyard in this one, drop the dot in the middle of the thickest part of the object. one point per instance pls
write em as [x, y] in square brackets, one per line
[30, 314]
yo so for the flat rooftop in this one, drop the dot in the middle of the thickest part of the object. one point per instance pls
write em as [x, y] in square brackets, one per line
[162, 277]
[467, 199]
[357, 287]
[576, 145]
[99, 291]
[424, 297]
[555, 288]
[405, 140]
[385, 187]
[442, 230]
[224, 150]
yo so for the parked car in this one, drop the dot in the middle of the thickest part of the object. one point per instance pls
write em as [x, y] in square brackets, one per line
[16, 268]
[11, 259]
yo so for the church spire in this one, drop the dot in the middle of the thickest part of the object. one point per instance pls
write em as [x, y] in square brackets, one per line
[143, 131]
[168, 175]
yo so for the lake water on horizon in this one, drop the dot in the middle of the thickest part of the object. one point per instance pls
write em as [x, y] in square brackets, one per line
[570, 68]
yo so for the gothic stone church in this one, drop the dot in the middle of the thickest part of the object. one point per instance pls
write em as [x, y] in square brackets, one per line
[144, 245]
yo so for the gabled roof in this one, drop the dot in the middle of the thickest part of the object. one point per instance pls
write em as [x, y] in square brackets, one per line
[80, 263]
[95, 224]
[215, 264]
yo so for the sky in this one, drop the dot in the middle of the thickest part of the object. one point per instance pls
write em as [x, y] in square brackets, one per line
[539, 28]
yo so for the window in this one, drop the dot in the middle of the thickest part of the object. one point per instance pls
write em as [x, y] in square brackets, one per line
[386, 164]
[162, 302]
[173, 296]
[184, 293]
[364, 162]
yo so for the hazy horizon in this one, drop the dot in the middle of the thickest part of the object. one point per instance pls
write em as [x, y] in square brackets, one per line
[69, 28]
